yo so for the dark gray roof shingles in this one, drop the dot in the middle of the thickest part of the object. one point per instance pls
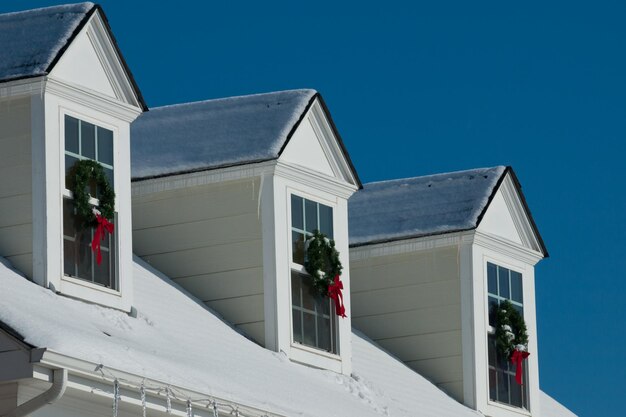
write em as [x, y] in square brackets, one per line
[215, 133]
[30, 41]
[421, 206]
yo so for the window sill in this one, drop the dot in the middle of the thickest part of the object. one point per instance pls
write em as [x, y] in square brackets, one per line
[315, 358]
[84, 283]
[324, 353]
[510, 408]
[93, 293]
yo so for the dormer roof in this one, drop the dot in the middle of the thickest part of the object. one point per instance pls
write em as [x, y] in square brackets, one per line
[430, 205]
[219, 133]
[33, 41]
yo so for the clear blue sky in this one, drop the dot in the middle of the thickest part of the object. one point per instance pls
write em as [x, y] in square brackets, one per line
[420, 88]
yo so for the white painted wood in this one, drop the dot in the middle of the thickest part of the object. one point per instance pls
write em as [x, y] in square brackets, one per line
[91, 63]
[425, 346]
[418, 321]
[440, 369]
[23, 263]
[209, 239]
[409, 301]
[305, 149]
[239, 310]
[498, 220]
[224, 284]
[49, 154]
[81, 65]
[15, 181]
[16, 240]
[498, 253]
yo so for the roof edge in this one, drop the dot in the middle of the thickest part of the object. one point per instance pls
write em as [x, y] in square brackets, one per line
[333, 127]
[105, 20]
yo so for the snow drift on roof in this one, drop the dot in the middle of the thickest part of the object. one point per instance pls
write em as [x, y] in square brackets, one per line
[413, 207]
[214, 133]
[188, 346]
[551, 408]
[31, 40]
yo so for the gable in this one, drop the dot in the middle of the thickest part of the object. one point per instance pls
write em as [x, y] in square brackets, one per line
[92, 61]
[508, 217]
[315, 145]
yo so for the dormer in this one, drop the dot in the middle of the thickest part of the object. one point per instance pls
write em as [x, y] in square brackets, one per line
[66, 95]
[446, 248]
[226, 192]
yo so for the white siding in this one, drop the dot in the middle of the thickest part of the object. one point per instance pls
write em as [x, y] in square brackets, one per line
[410, 304]
[16, 230]
[208, 239]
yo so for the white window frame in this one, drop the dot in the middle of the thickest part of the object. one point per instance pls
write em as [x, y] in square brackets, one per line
[67, 194]
[491, 331]
[299, 269]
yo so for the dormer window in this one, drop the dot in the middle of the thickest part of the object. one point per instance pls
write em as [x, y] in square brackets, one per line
[314, 321]
[504, 284]
[85, 140]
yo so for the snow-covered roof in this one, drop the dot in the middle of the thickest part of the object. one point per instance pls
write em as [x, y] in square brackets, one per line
[421, 206]
[552, 408]
[31, 41]
[188, 346]
[215, 133]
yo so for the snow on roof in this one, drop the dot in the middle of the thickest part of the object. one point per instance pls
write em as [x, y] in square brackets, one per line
[215, 133]
[552, 408]
[188, 346]
[420, 206]
[31, 40]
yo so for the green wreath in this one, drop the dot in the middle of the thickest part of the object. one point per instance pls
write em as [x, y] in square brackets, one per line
[322, 261]
[510, 329]
[82, 173]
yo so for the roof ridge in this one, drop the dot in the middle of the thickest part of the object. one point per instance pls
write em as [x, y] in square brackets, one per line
[396, 180]
[214, 100]
[89, 5]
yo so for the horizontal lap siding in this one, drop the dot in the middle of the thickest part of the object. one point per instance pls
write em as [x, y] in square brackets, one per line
[16, 230]
[410, 304]
[208, 239]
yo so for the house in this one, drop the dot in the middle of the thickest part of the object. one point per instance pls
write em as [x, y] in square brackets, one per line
[446, 248]
[197, 300]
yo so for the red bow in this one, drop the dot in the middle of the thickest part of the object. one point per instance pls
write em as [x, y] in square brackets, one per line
[516, 358]
[103, 226]
[334, 292]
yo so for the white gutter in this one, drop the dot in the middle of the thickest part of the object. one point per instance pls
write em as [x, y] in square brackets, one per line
[59, 383]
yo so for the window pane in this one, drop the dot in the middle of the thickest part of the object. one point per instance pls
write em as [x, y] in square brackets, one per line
[516, 287]
[516, 392]
[311, 215]
[295, 290]
[69, 257]
[297, 250]
[109, 174]
[323, 305]
[88, 140]
[309, 294]
[492, 279]
[326, 220]
[69, 164]
[297, 326]
[297, 215]
[492, 385]
[503, 387]
[105, 146]
[102, 272]
[491, 341]
[308, 326]
[71, 134]
[503, 278]
[84, 255]
[519, 309]
[69, 218]
[323, 328]
[493, 302]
